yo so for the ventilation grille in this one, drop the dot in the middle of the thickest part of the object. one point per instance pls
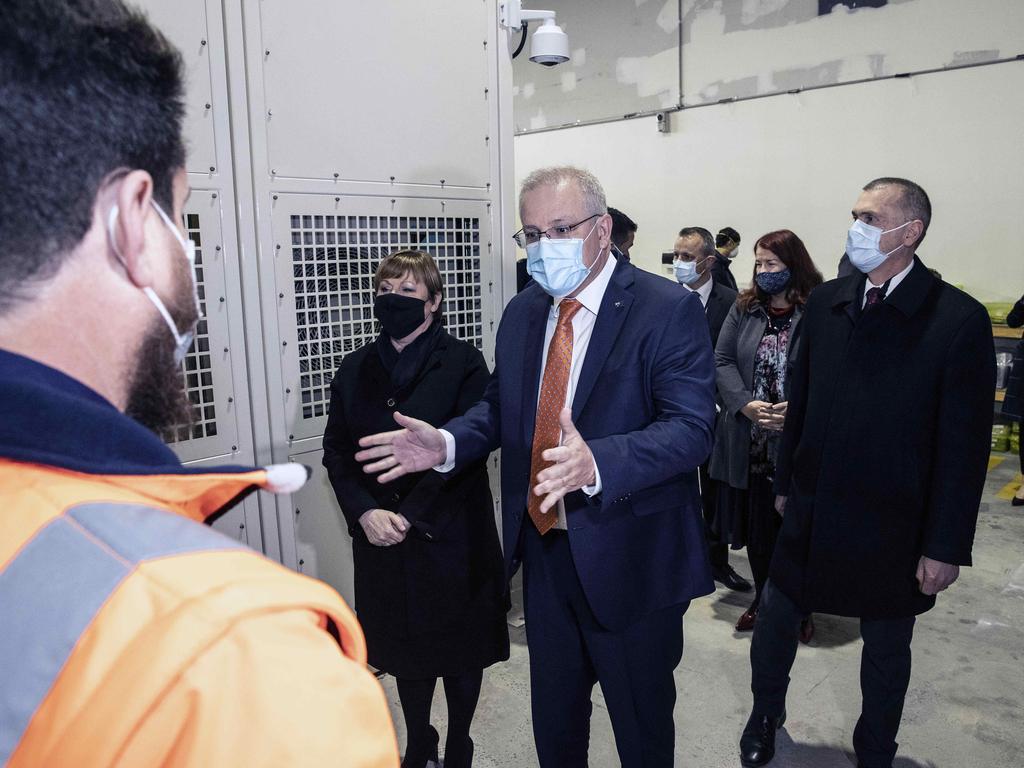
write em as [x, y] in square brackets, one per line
[196, 365]
[333, 260]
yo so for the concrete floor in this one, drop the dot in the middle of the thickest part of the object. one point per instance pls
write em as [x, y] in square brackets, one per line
[965, 706]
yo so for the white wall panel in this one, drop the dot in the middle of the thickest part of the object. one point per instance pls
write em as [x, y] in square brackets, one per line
[377, 91]
[186, 23]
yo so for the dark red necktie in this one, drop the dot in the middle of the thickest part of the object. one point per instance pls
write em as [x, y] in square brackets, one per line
[874, 296]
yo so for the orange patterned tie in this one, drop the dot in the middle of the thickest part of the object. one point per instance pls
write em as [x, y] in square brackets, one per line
[553, 390]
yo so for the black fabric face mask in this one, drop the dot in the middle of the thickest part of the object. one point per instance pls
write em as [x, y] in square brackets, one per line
[399, 315]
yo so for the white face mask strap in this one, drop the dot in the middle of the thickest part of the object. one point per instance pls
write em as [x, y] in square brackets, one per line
[179, 340]
[170, 225]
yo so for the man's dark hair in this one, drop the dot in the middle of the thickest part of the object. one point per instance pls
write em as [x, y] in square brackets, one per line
[725, 234]
[87, 87]
[913, 202]
[707, 247]
[622, 225]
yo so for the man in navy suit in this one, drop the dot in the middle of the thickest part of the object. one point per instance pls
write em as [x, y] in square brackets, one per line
[612, 543]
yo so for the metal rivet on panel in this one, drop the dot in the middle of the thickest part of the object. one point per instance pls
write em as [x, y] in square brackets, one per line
[234, 447]
[337, 199]
[214, 197]
[392, 178]
[221, 299]
[216, 247]
[208, 105]
[202, 42]
[212, 169]
[291, 437]
[336, 175]
[298, 511]
[287, 390]
[284, 343]
[280, 295]
[277, 247]
[231, 399]
[266, 52]
[275, 197]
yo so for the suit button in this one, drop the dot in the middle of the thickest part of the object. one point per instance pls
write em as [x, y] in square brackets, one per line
[391, 402]
[395, 497]
[428, 536]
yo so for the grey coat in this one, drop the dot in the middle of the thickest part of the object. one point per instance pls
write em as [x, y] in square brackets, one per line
[734, 363]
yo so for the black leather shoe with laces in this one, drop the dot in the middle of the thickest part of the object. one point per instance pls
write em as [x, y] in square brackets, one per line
[757, 744]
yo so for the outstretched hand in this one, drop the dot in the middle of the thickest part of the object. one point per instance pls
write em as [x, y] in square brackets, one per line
[573, 466]
[415, 448]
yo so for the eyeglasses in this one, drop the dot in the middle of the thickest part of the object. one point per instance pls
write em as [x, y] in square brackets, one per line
[525, 237]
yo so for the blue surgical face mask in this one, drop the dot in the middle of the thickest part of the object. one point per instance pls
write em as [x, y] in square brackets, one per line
[862, 245]
[182, 341]
[557, 265]
[686, 271]
[773, 282]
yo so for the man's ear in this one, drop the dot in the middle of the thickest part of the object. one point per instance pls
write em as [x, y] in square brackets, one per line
[914, 231]
[128, 229]
[604, 231]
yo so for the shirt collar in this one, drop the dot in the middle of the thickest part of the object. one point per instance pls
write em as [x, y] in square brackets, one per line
[704, 291]
[893, 281]
[591, 296]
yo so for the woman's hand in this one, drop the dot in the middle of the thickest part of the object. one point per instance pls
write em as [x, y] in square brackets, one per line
[774, 417]
[384, 528]
[755, 410]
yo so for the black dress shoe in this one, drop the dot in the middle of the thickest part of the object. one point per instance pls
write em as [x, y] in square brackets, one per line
[757, 744]
[727, 577]
[1017, 502]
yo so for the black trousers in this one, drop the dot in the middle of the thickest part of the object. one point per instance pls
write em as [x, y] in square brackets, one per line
[570, 651]
[717, 549]
[884, 672]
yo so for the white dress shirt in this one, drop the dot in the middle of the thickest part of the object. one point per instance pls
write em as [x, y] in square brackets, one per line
[893, 282]
[704, 291]
[582, 329]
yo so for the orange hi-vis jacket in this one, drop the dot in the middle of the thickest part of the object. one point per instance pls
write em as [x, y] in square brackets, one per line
[133, 635]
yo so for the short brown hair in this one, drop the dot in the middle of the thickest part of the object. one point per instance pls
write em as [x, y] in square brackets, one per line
[420, 265]
[792, 252]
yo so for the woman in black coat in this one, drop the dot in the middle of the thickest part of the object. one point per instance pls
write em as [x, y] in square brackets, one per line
[1012, 406]
[429, 582]
[755, 351]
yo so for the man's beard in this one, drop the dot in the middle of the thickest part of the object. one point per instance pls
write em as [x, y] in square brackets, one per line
[157, 397]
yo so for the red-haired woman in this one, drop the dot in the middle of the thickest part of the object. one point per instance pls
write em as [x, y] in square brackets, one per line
[756, 348]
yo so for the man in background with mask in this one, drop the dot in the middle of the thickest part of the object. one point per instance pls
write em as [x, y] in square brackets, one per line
[623, 233]
[132, 633]
[881, 467]
[726, 242]
[695, 257]
[602, 403]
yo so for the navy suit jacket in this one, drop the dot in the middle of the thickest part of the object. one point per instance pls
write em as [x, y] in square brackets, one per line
[645, 406]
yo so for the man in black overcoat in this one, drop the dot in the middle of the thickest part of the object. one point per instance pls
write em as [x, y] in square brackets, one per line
[695, 251]
[881, 467]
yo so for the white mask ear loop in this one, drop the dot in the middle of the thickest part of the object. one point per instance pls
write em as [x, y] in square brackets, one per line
[179, 340]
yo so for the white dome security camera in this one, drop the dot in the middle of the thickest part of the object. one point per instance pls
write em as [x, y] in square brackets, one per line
[549, 45]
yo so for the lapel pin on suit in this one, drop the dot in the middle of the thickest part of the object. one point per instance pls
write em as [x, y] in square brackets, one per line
[618, 305]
